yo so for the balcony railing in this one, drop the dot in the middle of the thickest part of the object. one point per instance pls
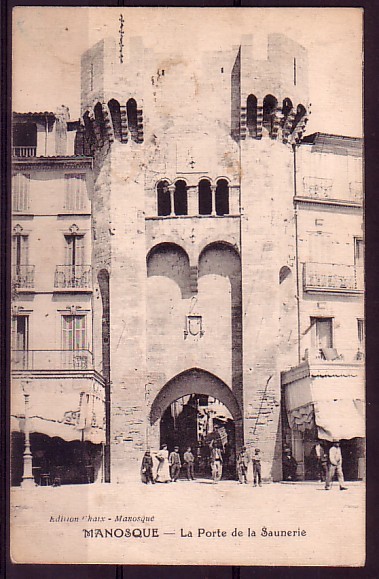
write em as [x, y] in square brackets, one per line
[52, 360]
[324, 189]
[23, 276]
[73, 276]
[332, 277]
[335, 355]
[24, 151]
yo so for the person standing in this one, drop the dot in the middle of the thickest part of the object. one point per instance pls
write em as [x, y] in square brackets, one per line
[335, 464]
[321, 461]
[242, 464]
[216, 464]
[189, 460]
[147, 468]
[257, 467]
[289, 465]
[175, 464]
[163, 471]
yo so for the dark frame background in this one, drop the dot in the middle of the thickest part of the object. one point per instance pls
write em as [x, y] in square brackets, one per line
[371, 129]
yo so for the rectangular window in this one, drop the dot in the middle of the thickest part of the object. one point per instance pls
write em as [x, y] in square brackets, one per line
[74, 332]
[361, 334]
[20, 342]
[20, 192]
[359, 250]
[75, 192]
[20, 250]
[20, 326]
[74, 249]
[322, 333]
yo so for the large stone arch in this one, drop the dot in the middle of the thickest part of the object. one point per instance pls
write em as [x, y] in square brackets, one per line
[170, 260]
[194, 381]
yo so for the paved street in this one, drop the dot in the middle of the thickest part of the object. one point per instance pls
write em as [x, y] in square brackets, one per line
[190, 522]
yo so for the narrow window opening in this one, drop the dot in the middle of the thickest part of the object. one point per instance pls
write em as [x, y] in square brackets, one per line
[286, 107]
[251, 115]
[164, 199]
[222, 197]
[180, 198]
[131, 112]
[205, 197]
[294, 72]
[300, 112]
[114, 109]
[269, 107]
[99, 117]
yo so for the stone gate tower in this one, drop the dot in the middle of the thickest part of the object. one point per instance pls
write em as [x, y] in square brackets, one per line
[194, 234]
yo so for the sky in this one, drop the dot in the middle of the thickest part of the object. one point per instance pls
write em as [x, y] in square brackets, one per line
[48, 43]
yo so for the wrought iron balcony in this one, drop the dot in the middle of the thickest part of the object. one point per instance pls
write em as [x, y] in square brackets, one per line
[332, 277]
[23, 276]
[52, 360]
[73, 276]
[24, 151]
[323, 189]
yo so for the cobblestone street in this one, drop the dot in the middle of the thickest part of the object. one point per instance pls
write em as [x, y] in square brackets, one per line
[227, 523]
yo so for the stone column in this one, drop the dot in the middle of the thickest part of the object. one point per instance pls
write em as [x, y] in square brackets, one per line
[171, 189]
[213, 189]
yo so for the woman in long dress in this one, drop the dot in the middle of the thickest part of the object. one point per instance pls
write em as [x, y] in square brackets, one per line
[163, 472]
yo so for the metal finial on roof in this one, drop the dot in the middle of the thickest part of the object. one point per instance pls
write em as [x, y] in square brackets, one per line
[121, 43]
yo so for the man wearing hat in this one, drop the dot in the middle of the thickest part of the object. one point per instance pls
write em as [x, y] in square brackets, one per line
[175, 464]
[335, 464]
[242, 464]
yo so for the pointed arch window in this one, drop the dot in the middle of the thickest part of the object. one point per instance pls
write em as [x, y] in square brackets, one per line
[205, 197]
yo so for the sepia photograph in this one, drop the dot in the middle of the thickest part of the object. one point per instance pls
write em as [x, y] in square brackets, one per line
[187, 287]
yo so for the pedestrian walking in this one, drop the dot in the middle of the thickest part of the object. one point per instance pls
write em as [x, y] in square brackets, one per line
[335, 465]
[163, 471]
[175, 464]
[216, 464]
[147, 468]
[189, 461]
[257, 467]
[242, 465]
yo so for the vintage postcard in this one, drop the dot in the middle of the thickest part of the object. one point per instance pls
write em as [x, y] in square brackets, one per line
[188, 334]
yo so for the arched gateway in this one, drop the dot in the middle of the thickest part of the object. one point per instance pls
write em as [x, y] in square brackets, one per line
[188, 411]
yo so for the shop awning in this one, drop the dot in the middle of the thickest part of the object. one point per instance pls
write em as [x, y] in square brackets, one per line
[339, 419]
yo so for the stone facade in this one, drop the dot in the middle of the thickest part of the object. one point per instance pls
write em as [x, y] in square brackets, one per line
[219, 232]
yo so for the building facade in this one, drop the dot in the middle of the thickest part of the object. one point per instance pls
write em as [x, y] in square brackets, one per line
[212, 259]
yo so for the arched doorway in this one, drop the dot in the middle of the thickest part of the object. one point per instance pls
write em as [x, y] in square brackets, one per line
[193, 409]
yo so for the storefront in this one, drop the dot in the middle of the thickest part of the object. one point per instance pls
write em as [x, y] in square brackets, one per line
[324, 402]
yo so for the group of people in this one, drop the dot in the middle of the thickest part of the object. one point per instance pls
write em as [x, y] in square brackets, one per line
[169, 465]
[243, 460]
[330, 463]
[165, 466]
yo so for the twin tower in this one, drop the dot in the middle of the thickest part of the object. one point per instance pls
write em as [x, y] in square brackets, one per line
[193, 222]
